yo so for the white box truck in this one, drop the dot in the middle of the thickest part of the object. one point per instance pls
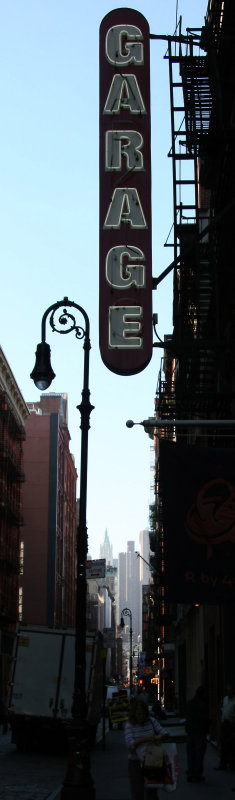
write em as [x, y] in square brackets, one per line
[42, 682]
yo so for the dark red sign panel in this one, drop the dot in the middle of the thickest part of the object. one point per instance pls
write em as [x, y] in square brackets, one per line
[125, 193]
[199, 521]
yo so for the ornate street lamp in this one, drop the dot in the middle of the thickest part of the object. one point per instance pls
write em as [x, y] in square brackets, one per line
[127, 612]
[78, 781]
[138, 659]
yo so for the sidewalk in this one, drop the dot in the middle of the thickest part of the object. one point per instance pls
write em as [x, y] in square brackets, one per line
[39, 777]
[109, 772]
[109, 767]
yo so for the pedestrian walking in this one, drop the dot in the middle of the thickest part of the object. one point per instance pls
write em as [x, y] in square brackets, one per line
[197, 727]
[143, 694]
[141, 728]
[227, 729]
[158, 711]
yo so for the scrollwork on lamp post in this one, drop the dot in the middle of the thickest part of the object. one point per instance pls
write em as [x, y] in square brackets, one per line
[78, 781]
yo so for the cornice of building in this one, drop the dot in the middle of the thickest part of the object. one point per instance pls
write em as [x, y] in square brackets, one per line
[9, 385]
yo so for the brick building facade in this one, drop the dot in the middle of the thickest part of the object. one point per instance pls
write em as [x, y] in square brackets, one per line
[49, 503]
[13, 416]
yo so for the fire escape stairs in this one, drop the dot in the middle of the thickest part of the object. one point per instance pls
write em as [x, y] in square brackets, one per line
[194, 337]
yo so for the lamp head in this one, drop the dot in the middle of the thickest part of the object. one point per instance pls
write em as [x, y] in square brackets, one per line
[42, 373]
[122, 623]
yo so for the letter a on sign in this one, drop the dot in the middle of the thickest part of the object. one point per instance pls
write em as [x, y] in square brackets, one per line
[125, 193]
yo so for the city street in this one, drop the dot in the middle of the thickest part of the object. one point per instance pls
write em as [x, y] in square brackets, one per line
[38, 777]
[28, 776]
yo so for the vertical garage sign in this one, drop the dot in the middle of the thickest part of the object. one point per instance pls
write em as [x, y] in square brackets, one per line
[125, 193]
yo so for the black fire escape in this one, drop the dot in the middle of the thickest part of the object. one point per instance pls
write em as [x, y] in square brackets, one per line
[196, 374]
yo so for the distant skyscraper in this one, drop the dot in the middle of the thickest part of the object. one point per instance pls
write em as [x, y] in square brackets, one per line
[121, 584]
[106, 550]
[129, 594]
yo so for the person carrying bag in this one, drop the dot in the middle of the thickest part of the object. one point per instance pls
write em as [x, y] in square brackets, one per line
[161, 766]
[141, 730]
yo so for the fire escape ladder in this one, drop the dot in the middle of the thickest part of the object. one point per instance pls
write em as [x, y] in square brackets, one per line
[184, 159]
[194, 321]
[184, 171]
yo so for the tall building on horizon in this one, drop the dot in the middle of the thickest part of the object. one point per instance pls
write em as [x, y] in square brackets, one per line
[121, 603]
[129, 588]
[106, 550]
[133, 589]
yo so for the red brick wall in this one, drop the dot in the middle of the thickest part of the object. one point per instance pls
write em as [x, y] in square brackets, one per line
[35, 509]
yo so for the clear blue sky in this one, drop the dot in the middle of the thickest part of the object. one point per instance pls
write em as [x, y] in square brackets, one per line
[49, 139]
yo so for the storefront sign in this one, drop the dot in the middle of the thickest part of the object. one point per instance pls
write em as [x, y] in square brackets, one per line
[125, 193]
[198, 490]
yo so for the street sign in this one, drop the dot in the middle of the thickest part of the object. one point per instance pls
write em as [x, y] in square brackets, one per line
[95, 569]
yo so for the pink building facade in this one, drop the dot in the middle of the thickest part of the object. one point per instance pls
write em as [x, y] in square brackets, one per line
[49, 507]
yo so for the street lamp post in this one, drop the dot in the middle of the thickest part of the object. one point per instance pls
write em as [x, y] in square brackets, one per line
[127, 612]
[78, 781]
[138, 658]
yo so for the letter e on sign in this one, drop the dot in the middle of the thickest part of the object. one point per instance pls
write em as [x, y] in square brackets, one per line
[125, 259]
